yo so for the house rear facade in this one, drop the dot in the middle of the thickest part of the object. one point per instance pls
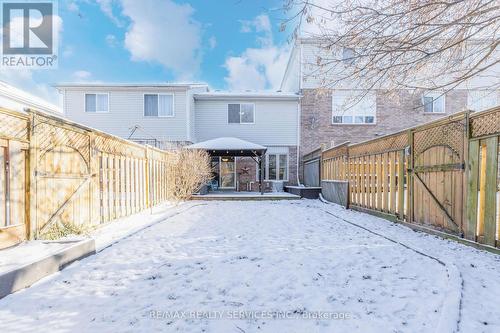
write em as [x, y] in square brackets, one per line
[331, 116]
[302, 117]
[170, 115]
[161, 115]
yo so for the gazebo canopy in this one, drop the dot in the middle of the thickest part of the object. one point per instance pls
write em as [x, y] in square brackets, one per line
[228, 146]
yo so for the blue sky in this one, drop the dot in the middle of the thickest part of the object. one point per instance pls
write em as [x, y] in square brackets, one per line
[230, 44]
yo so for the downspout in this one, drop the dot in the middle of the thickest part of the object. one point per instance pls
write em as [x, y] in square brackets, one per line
[298, 141]
[299, 111]
[188, 114]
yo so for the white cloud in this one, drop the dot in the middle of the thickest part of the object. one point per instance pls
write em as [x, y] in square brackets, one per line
[162, 32]
[259, 24]
[82, 75]
[73, 7]
[243, 74]
[258, 68]
[111, 40]
[107, 8]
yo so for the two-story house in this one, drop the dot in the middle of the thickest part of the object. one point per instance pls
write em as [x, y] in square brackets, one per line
[168, 115]
[343, 113]
[291, 123]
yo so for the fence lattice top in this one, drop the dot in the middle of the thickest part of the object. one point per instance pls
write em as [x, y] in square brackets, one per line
[485, 123]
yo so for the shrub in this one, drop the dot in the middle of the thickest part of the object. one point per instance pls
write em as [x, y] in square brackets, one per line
[65, 229]
[188, 171]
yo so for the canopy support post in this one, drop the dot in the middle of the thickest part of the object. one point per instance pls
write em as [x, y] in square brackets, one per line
[261, 175]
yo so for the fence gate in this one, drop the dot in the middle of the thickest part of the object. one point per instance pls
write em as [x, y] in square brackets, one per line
[437, 173]
[312, 168]
[312, 172]
[63, 175]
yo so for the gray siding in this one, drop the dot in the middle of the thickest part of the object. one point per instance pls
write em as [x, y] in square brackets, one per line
[126, 110]
[275, 122]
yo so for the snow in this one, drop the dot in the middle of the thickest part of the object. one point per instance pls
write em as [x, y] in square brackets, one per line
[228, 258]
[226, 143]
[32, 251]
[28, 252]
[246, 195]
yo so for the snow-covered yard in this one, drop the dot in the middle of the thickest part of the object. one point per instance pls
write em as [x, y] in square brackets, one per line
[243, 262]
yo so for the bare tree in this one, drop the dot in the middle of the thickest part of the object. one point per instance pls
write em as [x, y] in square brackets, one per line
[188, 171]
[400, 44]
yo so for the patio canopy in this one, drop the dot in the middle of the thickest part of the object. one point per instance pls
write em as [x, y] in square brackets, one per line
[228, 146]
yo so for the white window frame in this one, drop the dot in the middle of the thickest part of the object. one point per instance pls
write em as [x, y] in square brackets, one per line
[94, 93]
[240, 123]
[266, 168]
[435, 95]
[353, 123]
[159, 94]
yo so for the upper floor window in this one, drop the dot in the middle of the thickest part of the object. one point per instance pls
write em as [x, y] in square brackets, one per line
[348, 55]
[353, 107]
[243, 113]
[158, 105]
[433, 102]
[96, 102]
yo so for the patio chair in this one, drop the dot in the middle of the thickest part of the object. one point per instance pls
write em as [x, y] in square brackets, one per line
[213, 185]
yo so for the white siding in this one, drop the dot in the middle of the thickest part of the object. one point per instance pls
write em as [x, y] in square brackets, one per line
[478, 100]
[291, 79]
[275, 122]
[191, 112]
[313, 77]
[126, 109]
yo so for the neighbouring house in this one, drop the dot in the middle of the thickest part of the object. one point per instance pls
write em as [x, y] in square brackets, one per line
[333, 116]
[161, 115]
[169, 115]
[15, 99]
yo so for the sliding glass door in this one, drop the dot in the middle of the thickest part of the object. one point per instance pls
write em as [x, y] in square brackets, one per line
[227, 172]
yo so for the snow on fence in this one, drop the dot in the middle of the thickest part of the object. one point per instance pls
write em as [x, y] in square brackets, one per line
[442, 175]
[53, 172]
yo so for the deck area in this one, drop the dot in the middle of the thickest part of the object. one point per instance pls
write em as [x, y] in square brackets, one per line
[244, 196]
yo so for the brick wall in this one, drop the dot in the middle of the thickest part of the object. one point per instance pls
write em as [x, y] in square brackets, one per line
[395, 111]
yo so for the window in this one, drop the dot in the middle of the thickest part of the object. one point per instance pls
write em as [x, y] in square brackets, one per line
[348, 55]
[158, 105]
[96, 103]
[353, 107]
[240, 113]
[433, 102]
[276, 167]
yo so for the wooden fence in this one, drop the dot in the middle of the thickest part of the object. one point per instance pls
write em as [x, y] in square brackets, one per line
[442, 175]
[54, 171]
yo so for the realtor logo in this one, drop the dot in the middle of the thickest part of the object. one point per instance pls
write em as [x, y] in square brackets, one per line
[28, 34]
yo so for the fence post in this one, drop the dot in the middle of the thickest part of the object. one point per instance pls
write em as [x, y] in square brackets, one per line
[490, 190]
[31, 209]
[465, 174]
[147, 191]
[95, 212]
[401, 185]
[410, 185]
[472, 175]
